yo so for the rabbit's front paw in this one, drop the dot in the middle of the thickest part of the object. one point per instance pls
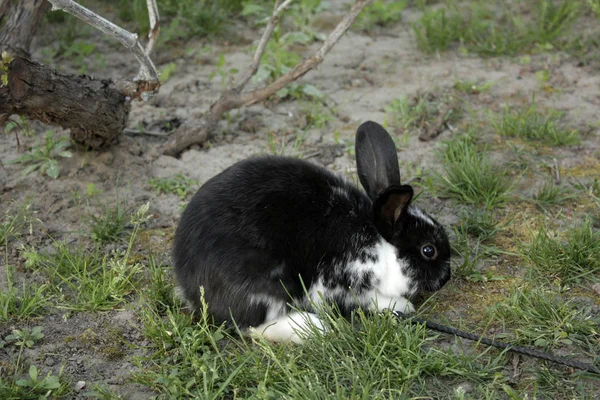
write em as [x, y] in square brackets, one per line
[401, 304]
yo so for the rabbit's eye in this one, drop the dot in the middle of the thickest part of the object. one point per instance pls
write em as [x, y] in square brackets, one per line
[428, 251]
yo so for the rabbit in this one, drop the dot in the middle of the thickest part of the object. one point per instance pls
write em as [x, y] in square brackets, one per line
[272, 231]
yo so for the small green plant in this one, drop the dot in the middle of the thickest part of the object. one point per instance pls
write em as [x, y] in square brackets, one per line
[552, 19]
[279, 145]
[161, 288]
[490, 30]
[594, 6]
[21, 125]
[480, 223]
[179, 185]
[471, 252]
[437, 30]
[91, 281]
[473, 87]
[167, 71]
[380, 13]
[469, 176]
[109, 223]
[531, 124]
[32, 386]
[278, 59]
[317, 116]
[570, 256]
[261, 369]
[80, 52]
[28, 302]
[13, 222]
[550, 194]
[539, 317]
[45, 157]
[226, 75]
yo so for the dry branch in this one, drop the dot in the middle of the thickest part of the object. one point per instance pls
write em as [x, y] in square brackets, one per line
[145, 85]
[197, 132]
[95, 110]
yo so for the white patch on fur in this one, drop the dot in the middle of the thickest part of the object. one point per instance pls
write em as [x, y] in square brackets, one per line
[390, 281]
[401, 304]
[179, 293]
[275, 307]
[288, 328]
[418, 213]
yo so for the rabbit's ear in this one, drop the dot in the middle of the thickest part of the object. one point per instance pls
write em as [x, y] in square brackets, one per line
[376, 159]
[390, 207]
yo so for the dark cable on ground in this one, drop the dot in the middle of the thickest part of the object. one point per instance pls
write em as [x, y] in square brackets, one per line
[495, 343]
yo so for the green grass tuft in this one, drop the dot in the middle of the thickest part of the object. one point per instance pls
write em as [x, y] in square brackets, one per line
[531, 124]
[380, 13]
[490, 29]
[571, 257]
[179, 185]
[468, 175]
[110, 223]
[550, 194]
[539, 317]
[202, 361]
[29, 301]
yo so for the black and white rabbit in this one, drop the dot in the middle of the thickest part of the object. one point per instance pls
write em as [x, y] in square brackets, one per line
[254, 234]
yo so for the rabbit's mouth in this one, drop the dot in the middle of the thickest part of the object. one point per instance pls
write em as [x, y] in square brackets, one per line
[434, 286]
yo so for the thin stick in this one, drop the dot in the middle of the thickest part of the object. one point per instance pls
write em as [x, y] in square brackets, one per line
[262, 44]
[154, 25]
[147, 75]
[305, 66]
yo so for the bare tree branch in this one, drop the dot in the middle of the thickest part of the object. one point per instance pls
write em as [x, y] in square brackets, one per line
[154, 25]
[146, 83]
[188, 134]
[278, 9]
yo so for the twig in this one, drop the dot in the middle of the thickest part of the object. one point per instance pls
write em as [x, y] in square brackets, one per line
[432, 131]
[146, 82]
[305, 66]
[188, 135]
[154, 25]
[251, 71]
[140, 132]
[556, 172]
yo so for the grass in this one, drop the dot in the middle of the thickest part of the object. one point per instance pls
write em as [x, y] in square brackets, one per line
[179, 185]
[570, 256]
[31, 384]
[109, 224]
[421, 110]
[533, 125]
[30, 301]
[550, 194]
[44, 157]
[468, 176]
[13, 223]
[90, 281]
[537, 316]
[490, 29]
[207, 362]
[380, 13]
[481, 223]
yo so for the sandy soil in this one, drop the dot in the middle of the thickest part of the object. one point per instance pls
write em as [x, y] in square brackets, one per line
[362, 74]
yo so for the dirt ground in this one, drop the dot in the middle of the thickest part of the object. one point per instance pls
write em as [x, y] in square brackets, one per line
[362, 75]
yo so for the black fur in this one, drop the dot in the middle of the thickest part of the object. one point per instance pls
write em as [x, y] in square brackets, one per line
[265, 222]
